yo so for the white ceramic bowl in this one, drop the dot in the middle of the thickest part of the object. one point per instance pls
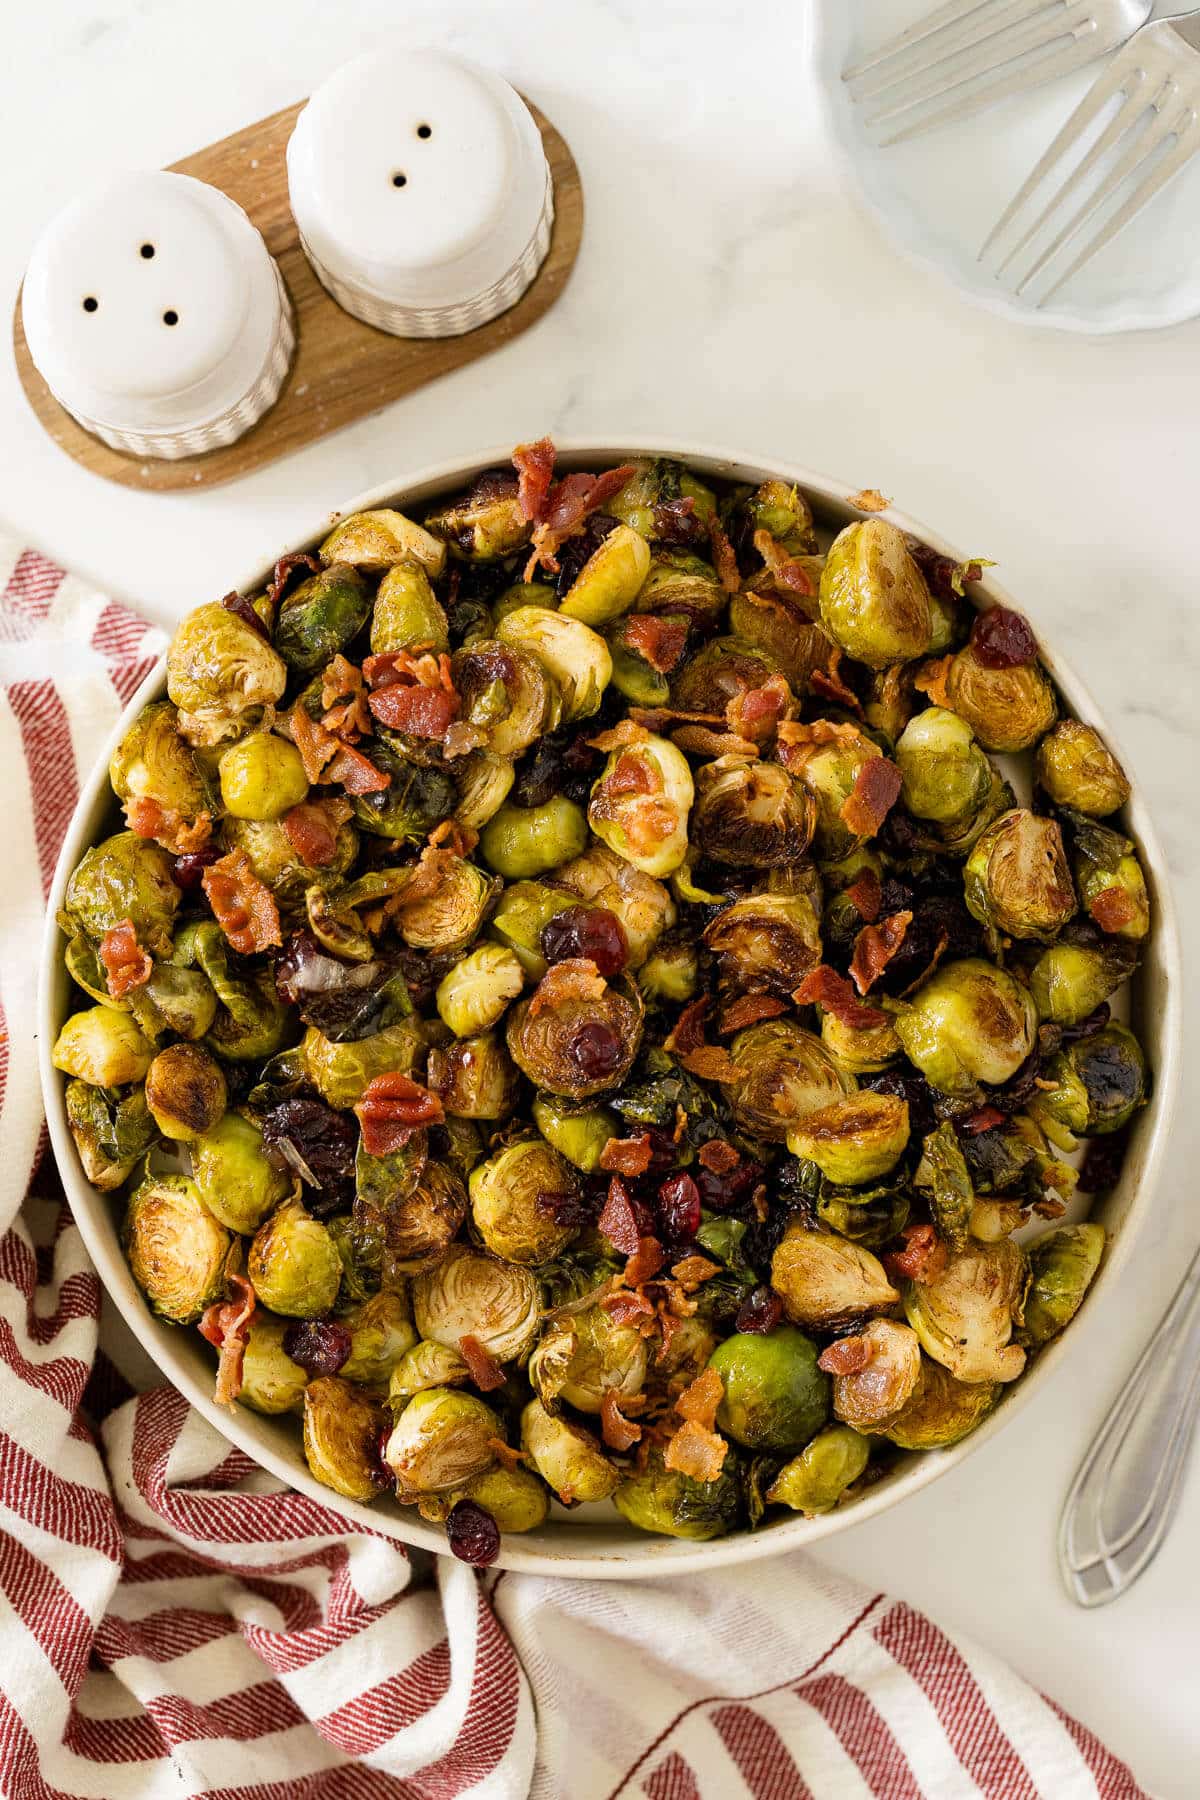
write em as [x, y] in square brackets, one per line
[596, 1542]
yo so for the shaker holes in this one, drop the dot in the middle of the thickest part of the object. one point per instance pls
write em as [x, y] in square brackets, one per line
[170, 317]
[147, 251]
[424, 131]
[399, 180]
[91, 303]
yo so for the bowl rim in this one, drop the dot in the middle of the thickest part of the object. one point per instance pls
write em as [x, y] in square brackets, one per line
[645, 1556]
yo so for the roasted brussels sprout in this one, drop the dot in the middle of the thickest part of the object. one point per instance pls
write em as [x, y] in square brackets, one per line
[947, 777]
[827, 760]
[825, 1282]
[377, 540]
[381, 1332]
[641, 904]
[578, 1135]
[1099, 1083]
[942, 1411]
[185, 1091]
[1062, 1264]
[293, 1264]
[341, 1437]
[816, 1480]
[472, 1295]
[670, 974]
[655, 482]
[485, 524]
[473, 995]
[271, 1381]
[441, 1440]
[868, 1216]
[155, 762]
[966, 1317]
[863, 1049]
[1070, 980]
[407, 614]
[417, 798]
[568, 1458]
[577, 1034]
[1109, 877]
[752, 813]
[513, 1498]
[1007, 709]
[514, 1202]
[722, 670]
[85, 969]
[854, 1140]
[871, 1396]
[780, 626]
[484, 781]
[419, 1205]
[681, 585]
[262, 777]
[874, 601]
[319, 617]
[426, 1365]
[176, 1249]
[125, 878]
[474, 1078]
[521, 912]
[1016, 877]
[778, 507]
[1076, 768]
[970, 1022]
[506, 693]
[766, 943]
[584, 1357]
[775, 1395]
[102, 1047]
[944, 1174]
[610, 580]
[340, 1072]
[662, 1500]
[520, 842]
[181, 1001]
[785, 1073]
[112, 1131]
[218, 669]
[236, 1182]
[279, 865]
[633, 676]
[577, 657]
[640, 804]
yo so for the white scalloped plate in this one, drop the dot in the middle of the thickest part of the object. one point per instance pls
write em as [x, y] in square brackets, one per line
[938, 196]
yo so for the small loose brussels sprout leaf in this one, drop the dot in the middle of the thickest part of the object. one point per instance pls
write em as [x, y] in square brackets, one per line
[970, 1022]
[1111, 884]
[640, 804]
[381, 1332]
[153, 761]
[943, 1172]
[469, 1294]
[826, 1282]
[506, 693]
[786, 1073]
[1008, 709]
[576, 1035]
[180, 1001]
[568, 1458]
[376, 540]
[293, 1264]
[262, 777]
[487, 523]
[102, 1047]
[610, 580]
[125, 877]
[441, 1440]
[870, 1397]
[942, 1411]
[1070, 980]
[406, 614]
[176, 1249]
[576, 656]
[85, 969]
[236, 1182]
[751, 813]
[185, 1091]
[271, 1381]
[341, 1072]
[874, 600]
[1076, 768]
[426, 1365]
[521, 912]
[670, 974]
[584, 1357]
[642, 904]
[947, 778]
[867, 1216]
[766, 942]
[520, 842]
[513, 1198]
[318, 618]
[474, 1078]
[669, 1504]
[112, 1131]
[863, 1049]
[341, 1437]
[815, 1481]
[1100, 1083]
[1016, 877]
[966, 1317]
[252, 1022]
[218, 669]
[416, 799]
[1061, 1264]
[484, 781]
[775, 1395]
[473, 995]
[854, 1140]
[514, 1498]
[578, 1135]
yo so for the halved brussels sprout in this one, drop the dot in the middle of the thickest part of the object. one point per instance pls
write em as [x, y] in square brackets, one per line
[1100, 1081]
[181, 1001]
[406, 614]
[320, 616]
[581, 1358]
[642, 904]
[271, 1381]
[341, 1072]
[1062, 1264]
[521, 842]
[874, 600]
[293, 1264]
[946, 776]
[341, 1437]
[656, 480]
[514, 1498]
[722, 670]
[420, 1205]
[576, 1035]
[153, 761]
[944, 1174]
[576, 656]
[670, 974]
[102, 1047]
[854, 1140]
[632, 675]
[775, 1395]
[781, 509]
[176, 1249]
[252, 1022]
[441, 1440]
[1111, 884]
[426, 1365]
[469, 1294]
[473, 995]
[870, 1398]
[185, 1091]
[827, 760]
[381, 1332]
[512, 1201]
[780, 626]
[521, 912]
[218, 669]
[568, 1458]
[484, 781]
[1076, 768]
[448, 918]
[826, 1282]
[506, 693]
[970, 1022]
[1016, 877]
[611, 578]
[235, 1180]
[751, 813]
[966, 1317]
[863, 1049]
[418, 797]
[1070, 980]
[786, 1073]
[682, 585]
[112, 1131]
[262, 777]
[639, 806]
[669, 1504]
[474, 1078]
[488, 522]
[815, 1481]
[125, 877]
[1007, 709]
[765, 942]
[942, 1411]
[377, 540]
[278, 864]
[579, 1135]
[867, 1216]
[523, 593]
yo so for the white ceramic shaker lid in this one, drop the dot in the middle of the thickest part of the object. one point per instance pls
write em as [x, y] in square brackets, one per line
[421, 191]
[157, 316]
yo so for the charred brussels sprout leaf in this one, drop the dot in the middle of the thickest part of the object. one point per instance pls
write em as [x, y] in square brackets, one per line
[815, 1481]
[176, 1249]
[775, 1395]
[318, 618]
[1062, 1264]
[944, 1174]
[663, 1501]
[112, 1131]
[342, 1425]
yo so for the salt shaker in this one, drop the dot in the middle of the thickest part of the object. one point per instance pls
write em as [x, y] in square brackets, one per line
[157, 316]
[421, 191]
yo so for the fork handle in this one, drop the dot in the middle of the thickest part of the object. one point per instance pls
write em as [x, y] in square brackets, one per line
[1125, 1493]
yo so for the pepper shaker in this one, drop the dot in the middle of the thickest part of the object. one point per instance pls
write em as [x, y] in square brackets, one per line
[421, 191]
[157, 316]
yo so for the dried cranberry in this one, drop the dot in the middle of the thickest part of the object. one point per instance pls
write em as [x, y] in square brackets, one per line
[1102, 1163]
[320, 1346]
[569, 1207]
[189, 868]
[243, 606]
[679, 1208]
[317, 1144]
[590, 931]
[1002, 639]
[676, 522]
[596, 1050]
[760, 1311]
[380, 1469]
[914, 1089]
[720, 1192]
[473, 1533]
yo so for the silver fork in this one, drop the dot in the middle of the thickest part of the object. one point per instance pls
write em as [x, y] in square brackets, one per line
[1007, 45]
[1153, 132]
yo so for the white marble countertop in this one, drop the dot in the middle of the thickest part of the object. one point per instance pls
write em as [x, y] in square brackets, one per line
[728, 290]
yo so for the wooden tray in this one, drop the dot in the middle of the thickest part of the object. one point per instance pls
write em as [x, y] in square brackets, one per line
[343, 370]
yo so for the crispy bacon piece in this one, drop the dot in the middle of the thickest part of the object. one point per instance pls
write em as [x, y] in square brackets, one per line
[932, 678]
[627, 1156]
[411, 693]
[126, 965]
[147, 819]
[451, 834]
[632, 775]
[621, 736]
[356, 772]
[1112, 909]
[718, 1156]
[701, 740]
[923, 1257]
[985, 1118]
[625, 1307]
[575, 978]
[564, 510]
[829, 682]
[316, 745]
[677, 522]
[243, 606]
[285, 568]
[226, 1325]
[688, 1031]
[343, 697]
[876, 791]
[711, 1063]
[866, 896]
[699, 1401]
[243, 907]
[618, 1221]
[312, 827]
[340, 680]
[788, 575]
[618, 1432]
[874, 948]
[660, 642]
[824, 987]
[755, 713]
[505, 1454]
[847, 1356]
[869, 500]
[392, 1107]
[645, 1263]
[797, 740]
[693, 1271]
[486, 1372]
[724, 557]
[748, 1009]
[696, 1449]
[534, 464]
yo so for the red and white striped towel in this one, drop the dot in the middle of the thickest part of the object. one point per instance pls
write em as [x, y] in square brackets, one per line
[175, 1623]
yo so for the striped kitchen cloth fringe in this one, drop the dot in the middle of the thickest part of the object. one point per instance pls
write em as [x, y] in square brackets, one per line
[176, 1622]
